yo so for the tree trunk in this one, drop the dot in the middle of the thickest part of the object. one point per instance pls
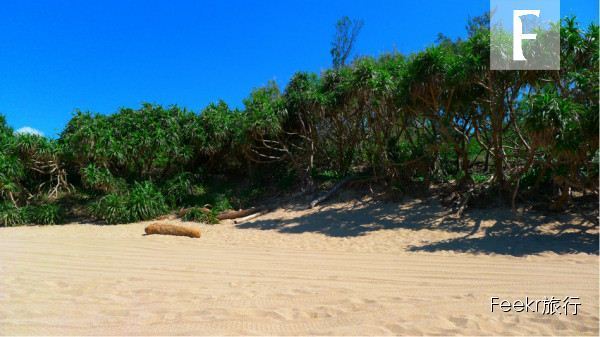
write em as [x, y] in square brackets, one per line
[466, 165]
[487, 162]
[240, 213]
[498, 149]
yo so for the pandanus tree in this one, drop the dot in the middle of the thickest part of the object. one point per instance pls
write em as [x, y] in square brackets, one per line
[304, 106]
[223, 132]
[265, 138]
[150, 143]
[343, 120]
[560, 116]
[30, 167]
[498, 93]
[376, 86]
[553, 126]
[44, 170]
[439, 94]
[11, 168]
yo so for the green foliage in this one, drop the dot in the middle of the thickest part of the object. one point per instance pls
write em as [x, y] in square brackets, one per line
[199, 215]
[326, 175]
[479, 178]
[220, 202]
[100, 179]
[264, 111]
[30, 165]
[149, 143]
[179, 189]
[113, 209]
[10, 215]
[221, 126]
[146, 202]
[45, 214]
[143, 202]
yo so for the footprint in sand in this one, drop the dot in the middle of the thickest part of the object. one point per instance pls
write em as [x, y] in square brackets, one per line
[460, 322]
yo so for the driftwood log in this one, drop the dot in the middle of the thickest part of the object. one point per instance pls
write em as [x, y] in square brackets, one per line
[330, 193]
[166, 229]
[240, 213]
[248, 217]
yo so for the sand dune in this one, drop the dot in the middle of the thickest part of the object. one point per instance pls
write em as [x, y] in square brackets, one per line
[346, 269]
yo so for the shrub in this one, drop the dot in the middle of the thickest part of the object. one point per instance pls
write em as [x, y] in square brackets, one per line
[146, 202]
[48, 214]
[221, 203]
[143, 202]
[10, 215]
[112, 209]
[199, 215]
[100, 179]
[179, 189]
[480, 177]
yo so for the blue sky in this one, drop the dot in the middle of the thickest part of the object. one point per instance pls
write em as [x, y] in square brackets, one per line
[56, 56]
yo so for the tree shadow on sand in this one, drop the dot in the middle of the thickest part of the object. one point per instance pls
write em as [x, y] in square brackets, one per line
[359, 218]
[486, 231]
[527, 235]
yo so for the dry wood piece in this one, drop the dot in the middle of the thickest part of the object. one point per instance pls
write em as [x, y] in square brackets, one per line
[239, 214]
[166, 229]
[249, 217]
[330, 193]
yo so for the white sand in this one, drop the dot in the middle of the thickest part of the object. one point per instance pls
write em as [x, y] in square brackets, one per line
[346, 269]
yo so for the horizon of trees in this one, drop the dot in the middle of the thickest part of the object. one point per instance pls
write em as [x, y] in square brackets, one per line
[406, 122]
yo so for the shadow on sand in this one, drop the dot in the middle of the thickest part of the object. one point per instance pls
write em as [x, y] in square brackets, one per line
[486, 231]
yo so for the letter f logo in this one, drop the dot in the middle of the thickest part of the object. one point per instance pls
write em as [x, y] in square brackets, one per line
[518, 35]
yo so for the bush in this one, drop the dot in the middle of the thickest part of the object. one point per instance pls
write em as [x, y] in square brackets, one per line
[112, 209]
[199, 215]
[100, 179]
[49, 214]
[221, 203]
[10, 215]
[143, 202]
[179, 189]
[479, 178]
[146, 202]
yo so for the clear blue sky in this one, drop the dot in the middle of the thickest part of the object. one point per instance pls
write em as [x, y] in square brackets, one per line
[56, 56]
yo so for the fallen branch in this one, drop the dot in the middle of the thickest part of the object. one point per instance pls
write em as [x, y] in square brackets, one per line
[240, 213]
[166, 229]
[465, 204]
[249, 217]
[329, 194]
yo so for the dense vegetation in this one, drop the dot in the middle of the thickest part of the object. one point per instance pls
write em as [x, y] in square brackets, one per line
[438, 117]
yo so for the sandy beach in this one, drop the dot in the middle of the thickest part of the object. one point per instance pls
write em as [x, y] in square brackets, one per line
[349, 268]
